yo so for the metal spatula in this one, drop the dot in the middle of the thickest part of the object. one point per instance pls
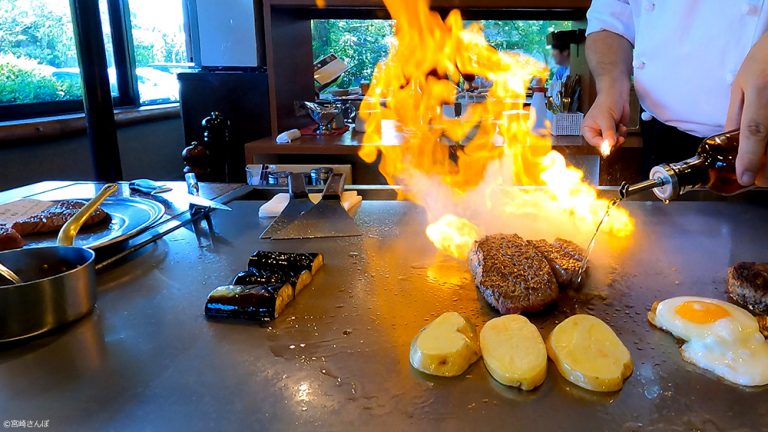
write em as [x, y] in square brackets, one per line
[298, 205]
[327, 218]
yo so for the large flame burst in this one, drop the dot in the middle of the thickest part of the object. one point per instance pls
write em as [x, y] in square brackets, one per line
[503, 174]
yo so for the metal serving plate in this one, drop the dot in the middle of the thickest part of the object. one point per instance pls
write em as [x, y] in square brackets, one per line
[130, 216]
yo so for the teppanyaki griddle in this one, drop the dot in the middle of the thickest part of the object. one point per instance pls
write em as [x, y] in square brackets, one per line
[337, 359]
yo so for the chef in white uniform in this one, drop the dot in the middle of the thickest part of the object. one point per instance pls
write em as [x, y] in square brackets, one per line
[700, 67]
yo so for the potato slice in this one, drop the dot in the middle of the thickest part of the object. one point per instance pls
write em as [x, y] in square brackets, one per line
[514, 352]
[446, 347]
[589, 354]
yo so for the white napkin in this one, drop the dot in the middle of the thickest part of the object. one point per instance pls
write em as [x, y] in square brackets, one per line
[275, 206]
[288, 136]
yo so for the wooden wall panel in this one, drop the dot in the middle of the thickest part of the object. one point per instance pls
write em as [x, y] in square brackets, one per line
[289, 66]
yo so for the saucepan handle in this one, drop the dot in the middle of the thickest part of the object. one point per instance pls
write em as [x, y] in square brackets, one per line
[297, 188]
[70, 229]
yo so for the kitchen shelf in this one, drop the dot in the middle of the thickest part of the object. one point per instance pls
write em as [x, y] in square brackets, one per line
[349, 144]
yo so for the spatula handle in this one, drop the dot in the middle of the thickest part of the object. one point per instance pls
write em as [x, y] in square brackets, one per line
[334, 187]
[296, 186]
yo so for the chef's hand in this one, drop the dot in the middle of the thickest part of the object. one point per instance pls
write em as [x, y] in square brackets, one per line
[748, 111]
[606, 119]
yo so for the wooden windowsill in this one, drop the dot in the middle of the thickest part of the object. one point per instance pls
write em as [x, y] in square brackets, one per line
[40, 129]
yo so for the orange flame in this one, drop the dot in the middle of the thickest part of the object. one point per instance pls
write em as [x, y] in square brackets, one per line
[605, 148]
[453, 234]
[468, 172]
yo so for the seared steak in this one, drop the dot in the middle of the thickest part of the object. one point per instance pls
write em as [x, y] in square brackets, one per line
[762, 321]
[564, 258]
[512, 275]
[748, 285]
[54, 217]
[9, 239]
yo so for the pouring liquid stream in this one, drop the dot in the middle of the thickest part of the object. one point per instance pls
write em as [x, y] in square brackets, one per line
[591, 245]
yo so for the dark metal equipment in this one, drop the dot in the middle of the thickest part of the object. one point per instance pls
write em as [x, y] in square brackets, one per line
[97, 97]
[298, 205]
[328, 218]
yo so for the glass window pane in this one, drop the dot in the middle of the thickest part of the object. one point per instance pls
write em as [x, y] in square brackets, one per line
[107, 30]
[529, 37]
[360, 43]
[38, 58]
[363, 43]
[160, 49]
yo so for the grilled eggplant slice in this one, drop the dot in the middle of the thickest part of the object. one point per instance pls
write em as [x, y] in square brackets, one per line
[251, 302]
[297, 267]
[297, 281]
[257, 277]
[295, 262]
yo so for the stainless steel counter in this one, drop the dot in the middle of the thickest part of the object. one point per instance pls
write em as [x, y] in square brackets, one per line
[147, 359]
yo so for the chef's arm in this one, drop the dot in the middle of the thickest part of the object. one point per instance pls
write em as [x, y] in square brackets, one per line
[610, 60]
[748, 111]
[610, 36]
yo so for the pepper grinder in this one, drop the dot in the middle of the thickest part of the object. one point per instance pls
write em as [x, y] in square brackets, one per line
[216, 140]
[196, 159]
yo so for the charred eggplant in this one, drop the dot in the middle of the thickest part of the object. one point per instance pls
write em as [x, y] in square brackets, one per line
[298, 268]
[251, 302]
[294, 262]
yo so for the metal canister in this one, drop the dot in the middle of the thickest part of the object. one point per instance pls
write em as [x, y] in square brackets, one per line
[279, 178]
[320, 175]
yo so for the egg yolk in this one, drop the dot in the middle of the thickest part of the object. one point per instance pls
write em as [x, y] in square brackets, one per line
[699, 312]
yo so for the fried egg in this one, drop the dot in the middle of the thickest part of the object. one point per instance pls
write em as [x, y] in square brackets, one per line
[720, 337]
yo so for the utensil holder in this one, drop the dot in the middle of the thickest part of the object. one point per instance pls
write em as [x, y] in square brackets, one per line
[566, 123]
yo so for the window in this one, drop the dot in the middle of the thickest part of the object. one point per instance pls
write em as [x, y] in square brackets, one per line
[363, 43]
[39, 70]
[160, 49]
[360, 43]
[38, 58]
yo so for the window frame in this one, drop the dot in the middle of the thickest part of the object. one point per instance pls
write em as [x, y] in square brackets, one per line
[128, 95]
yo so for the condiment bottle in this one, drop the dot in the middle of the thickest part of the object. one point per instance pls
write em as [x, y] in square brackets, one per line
[539, 110]
[713, 167]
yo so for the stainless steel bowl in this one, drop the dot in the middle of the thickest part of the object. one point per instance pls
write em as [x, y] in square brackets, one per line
[62, 289]
[61, 279]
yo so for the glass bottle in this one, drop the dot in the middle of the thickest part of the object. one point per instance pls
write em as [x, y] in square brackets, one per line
[713, 167]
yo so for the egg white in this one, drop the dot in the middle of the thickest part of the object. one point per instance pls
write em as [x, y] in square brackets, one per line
[731, 347]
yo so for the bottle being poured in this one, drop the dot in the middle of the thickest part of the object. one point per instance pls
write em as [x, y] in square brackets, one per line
[713, 167]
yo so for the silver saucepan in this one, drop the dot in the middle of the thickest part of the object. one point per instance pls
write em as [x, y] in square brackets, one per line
[58, 282]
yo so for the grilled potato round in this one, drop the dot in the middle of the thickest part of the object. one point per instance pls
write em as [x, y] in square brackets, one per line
[589, 354]
[445, 347]
[514, 352]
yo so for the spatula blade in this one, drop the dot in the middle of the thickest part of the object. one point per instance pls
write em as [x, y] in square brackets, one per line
[327, 218]
[299, 204]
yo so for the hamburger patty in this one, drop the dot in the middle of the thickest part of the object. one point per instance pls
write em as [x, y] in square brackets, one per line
[9, 239]
[564, 258]
[54, 217]
[511, 274]
[748, 285]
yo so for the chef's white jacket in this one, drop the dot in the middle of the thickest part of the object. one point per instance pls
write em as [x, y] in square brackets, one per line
[686, 53]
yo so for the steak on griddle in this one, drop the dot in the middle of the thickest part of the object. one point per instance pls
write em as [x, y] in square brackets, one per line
[564, 258]
[9, 239]
[748, 285]
[511, 274]
[54, 217]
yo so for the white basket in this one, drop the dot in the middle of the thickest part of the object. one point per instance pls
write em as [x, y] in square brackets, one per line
[566, 123]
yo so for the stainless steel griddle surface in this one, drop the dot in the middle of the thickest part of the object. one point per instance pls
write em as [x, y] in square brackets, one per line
[337, 359]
